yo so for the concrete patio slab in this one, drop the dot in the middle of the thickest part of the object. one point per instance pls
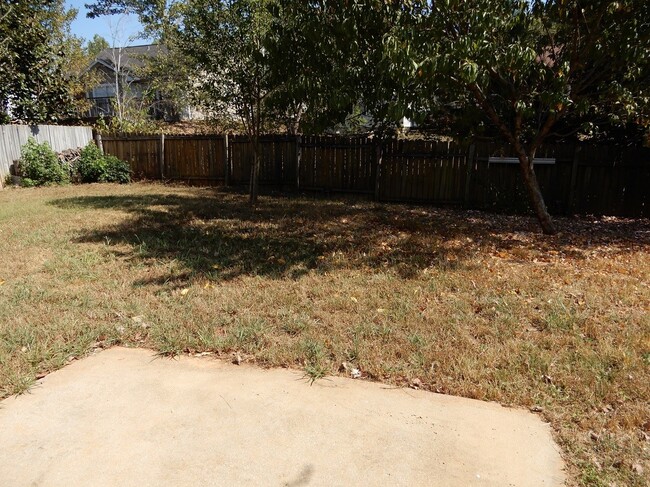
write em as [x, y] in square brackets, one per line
[124, 417]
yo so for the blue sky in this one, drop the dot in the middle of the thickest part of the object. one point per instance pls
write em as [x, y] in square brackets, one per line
[121, 29]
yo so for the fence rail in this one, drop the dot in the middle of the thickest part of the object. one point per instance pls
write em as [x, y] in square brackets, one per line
[60, 138]
[583, 178]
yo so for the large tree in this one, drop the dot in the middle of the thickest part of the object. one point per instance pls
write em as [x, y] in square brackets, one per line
[530, 66]
[221, 45]
[525, 67]
[329, 55]
[33, 83]
[224, 42]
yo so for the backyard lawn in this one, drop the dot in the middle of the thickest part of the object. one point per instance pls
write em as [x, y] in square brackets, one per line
[457, 302]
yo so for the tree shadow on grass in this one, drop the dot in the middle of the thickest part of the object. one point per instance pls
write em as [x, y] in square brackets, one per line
[217, 235]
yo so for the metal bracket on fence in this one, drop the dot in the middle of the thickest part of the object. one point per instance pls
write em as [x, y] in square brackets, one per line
[515, 160]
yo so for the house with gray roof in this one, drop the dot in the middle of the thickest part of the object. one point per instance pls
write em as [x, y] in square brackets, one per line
[121, 80]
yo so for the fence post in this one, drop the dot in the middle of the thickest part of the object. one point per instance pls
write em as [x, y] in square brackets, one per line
[470, 168]
[298, 158]
[574, 180]
[226, 159]
[162, 156]
[379, 153]
[98, 141]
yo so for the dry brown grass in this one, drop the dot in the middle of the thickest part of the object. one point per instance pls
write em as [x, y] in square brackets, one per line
[467, 303]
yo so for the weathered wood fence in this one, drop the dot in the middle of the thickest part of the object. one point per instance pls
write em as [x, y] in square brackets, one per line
[575, 178]
[60, 138]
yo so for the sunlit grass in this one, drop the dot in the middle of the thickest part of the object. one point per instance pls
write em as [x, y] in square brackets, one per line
[467, 303]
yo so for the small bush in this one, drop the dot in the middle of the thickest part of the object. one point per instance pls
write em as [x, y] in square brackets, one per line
[91, 164]
[39, 165]
[116, 171]
[95, 167]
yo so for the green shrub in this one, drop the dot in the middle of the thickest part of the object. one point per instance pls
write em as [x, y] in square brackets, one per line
[94, 167]
[91, 164]
[39, 165]
[116, 171]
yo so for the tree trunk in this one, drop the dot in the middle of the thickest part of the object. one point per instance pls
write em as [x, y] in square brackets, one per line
[535, 194]
[255, 174]
[525, 159]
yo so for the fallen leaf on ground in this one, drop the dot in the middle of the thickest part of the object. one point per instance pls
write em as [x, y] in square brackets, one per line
[594, 436]
[184, 292]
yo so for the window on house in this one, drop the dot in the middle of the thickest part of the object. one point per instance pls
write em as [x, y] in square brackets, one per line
[103, 91]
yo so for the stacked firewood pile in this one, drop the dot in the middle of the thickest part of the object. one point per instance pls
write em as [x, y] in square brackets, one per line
[69, 157]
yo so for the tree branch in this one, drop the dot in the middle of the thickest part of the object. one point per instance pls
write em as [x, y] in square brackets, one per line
[491, 112]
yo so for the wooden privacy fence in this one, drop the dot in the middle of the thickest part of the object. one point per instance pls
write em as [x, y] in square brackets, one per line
[574, 178]
[60, 138]
[205, 160]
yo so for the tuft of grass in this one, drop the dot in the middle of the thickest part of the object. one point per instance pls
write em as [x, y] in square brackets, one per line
[315, 360]
[315, 372]
[471, 304]
[248, 335]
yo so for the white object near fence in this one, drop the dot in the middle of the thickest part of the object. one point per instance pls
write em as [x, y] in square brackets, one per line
[514, 160]
[60, 138]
